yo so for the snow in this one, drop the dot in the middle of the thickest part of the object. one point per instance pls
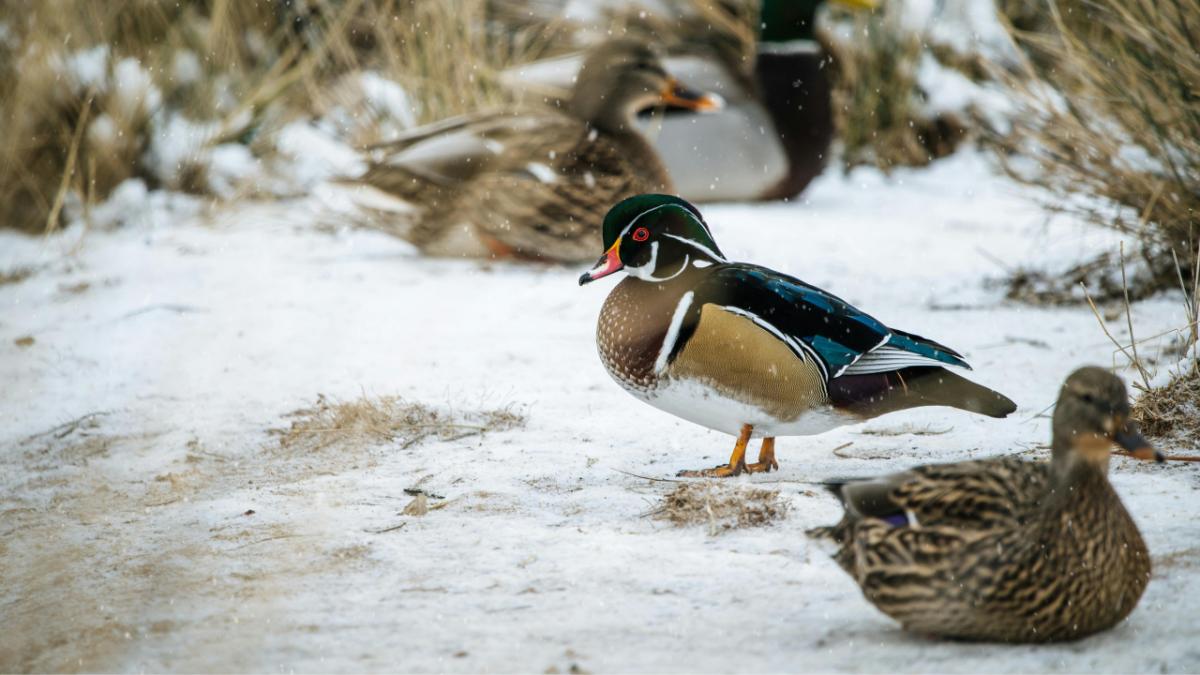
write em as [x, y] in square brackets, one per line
[186, 67]
[132, 204]
[86, 69]
[965, 26]
[127, 544]
[389, 98]
[310, 155]
[135, 93]
[230, 165]
[948, 91]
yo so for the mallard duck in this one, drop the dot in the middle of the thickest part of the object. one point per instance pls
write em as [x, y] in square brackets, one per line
[530, 183]
[1004, 549]
[749, 351]
[774, 134]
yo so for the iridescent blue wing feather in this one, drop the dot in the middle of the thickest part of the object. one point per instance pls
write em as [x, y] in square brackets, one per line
[814, 323]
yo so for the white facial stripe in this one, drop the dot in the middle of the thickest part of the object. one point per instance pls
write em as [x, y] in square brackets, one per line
[698, 246]
[639, 217]
[646, 272]
[668, 344]
[663, 206]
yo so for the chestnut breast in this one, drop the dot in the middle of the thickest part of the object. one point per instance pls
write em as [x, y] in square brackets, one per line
[632, 326]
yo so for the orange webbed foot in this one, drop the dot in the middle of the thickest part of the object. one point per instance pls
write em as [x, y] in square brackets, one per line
[766, 458]
[737, 461]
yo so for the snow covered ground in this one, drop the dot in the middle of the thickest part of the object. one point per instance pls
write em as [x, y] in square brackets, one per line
[134, 442]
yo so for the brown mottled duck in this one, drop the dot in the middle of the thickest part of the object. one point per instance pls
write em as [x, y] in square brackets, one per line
[1002, 549]
[529, 183]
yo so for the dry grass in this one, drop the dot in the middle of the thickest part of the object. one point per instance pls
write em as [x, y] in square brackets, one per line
[373, 421]
[94, 93]
[1111, 108]
[721, 506]
[877, 102]
[1100, 276]
[15, 275]
[1174, 410]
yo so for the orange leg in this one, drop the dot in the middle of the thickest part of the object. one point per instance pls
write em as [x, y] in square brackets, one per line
[766, 457]
[737, 461]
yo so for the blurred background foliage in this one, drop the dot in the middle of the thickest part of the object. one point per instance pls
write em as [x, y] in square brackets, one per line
[1092, 97]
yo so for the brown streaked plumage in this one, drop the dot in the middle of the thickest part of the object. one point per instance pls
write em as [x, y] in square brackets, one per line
[529, 183]
[1003, 549]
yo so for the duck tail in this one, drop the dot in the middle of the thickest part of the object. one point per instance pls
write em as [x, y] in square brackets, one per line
[875, 394]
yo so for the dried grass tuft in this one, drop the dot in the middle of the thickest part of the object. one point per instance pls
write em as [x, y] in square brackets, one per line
[1109, 107]
[15, 275]
[370, 421]
[721, 506]
[1172, 411]
[94, 93]
[877, 101]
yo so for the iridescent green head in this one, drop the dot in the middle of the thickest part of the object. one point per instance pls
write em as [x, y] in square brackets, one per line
[655, 238]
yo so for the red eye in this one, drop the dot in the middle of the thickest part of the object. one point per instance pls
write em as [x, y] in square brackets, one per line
[641, 234]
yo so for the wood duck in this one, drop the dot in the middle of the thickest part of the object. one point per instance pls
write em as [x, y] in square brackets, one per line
[1002, 549]
[529, 183]
[747, 350]
[772, 138]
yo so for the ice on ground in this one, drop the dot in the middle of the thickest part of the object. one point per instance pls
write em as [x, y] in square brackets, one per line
[152, 522]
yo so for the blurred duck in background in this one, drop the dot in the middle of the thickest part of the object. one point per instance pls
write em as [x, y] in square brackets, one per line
[773, 137]
[529, 183]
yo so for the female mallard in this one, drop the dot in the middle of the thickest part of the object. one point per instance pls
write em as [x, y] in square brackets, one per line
[749, 351]
[531, 183]
[774, 135]
[1003, 549]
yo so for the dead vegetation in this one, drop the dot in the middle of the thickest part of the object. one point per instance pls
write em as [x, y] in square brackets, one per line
[372, 421]
[721, 506]
[878, 104]
[1109, 107]
[186, 96]
[1172, 411]
[15, 275]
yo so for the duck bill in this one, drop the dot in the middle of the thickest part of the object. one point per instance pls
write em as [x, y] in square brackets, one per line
[607, 264]
[1131, 441]
[680, 96]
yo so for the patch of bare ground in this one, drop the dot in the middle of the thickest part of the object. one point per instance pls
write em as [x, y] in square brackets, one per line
[104, 554]
[374, 420]
[721, 506]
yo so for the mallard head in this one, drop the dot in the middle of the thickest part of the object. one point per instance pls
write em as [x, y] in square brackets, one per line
[654, 238]
[1092, 414]
[621, 77]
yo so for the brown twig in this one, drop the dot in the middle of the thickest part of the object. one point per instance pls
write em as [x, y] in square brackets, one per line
[69, 169]
[388, 529]
[843, 446]
[1137, 362]
[657, 480]
[1104, 326]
